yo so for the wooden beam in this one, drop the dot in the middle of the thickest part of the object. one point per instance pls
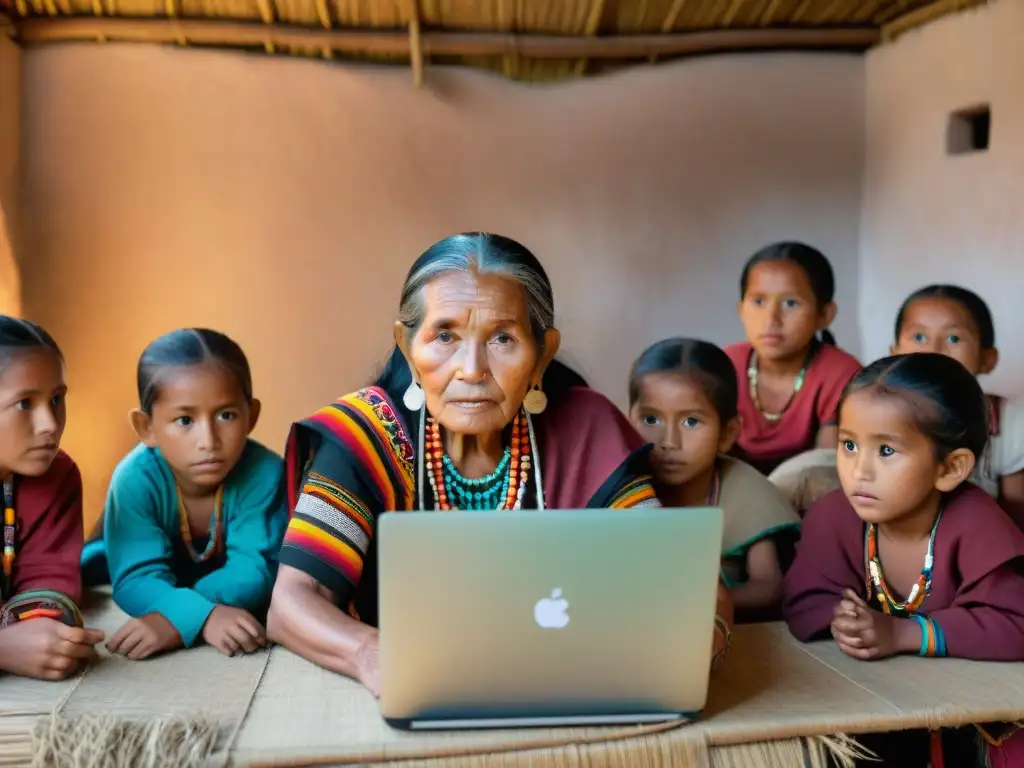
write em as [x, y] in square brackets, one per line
[769, 13]
[730, 14]
[591, 28]
[237, 33]
[887, 13]
[922, 16]
[171, 8]
[324, 14]
[415, 44]
[669, 22]
[799, 11]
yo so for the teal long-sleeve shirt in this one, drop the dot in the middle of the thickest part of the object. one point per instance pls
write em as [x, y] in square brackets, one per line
[149, 569]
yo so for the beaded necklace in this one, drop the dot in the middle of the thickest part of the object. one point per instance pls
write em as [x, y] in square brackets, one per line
[798, 384]
[10, 525]
[216, 527]
[504, 488]
[876, 577]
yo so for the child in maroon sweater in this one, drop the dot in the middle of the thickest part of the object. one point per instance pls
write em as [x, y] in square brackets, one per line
[40, 626]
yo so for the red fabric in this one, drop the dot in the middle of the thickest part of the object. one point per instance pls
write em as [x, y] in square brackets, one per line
[1009, 754]
[766, 444]
[48, 543]
[977, 594]
[581, 442]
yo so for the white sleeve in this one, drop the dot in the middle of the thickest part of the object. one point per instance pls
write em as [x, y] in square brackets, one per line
[1008, 446]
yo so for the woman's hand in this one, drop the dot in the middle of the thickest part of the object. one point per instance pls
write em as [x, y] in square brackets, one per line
[145, 636]
[368, 663]
[46, 649]
[231, 630]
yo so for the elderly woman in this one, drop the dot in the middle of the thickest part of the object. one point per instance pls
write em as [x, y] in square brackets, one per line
[470, 412]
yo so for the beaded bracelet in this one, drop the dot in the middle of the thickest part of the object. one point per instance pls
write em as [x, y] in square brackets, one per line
[722, 626]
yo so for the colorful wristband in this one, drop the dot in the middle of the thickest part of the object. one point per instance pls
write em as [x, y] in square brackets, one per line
[922, 622]
[933, 640]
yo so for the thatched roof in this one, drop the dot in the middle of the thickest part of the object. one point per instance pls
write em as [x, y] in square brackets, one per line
[524, 39]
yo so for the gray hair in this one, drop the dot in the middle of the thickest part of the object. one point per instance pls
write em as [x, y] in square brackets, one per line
[487, 254]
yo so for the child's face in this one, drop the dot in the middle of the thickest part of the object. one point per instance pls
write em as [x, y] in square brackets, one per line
[887, 467]
[32, 412]
[779, 312]
[674, 414]
[200, 423]
[941, 325]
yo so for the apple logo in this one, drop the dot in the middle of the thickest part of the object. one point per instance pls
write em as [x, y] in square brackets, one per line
[552, 612]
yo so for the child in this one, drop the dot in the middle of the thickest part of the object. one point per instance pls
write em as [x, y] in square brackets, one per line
[195, 514]
[40, 626]
[790, 379]
[955, 321]
[943, 574]
[682, 398]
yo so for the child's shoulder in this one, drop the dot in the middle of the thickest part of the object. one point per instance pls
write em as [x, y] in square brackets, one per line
[977, 532]
[834, 510]
[257, 461]
[836, 360]
[61, 476]
[744, 487]
[738, 477]
[970, 511]
[140, 464]
[739, 353]
[62, 468]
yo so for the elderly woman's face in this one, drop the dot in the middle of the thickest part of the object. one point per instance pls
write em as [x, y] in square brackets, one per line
[474, 354]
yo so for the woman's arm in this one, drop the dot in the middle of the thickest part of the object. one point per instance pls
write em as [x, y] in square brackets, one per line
[305, 619]
[763, 587]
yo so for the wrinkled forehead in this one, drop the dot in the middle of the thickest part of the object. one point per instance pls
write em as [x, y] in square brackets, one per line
[465, 298]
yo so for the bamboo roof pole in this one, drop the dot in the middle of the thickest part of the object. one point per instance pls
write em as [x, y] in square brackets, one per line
[799, 11]
[730, 14]
[171, 7]
[267, 14]
[325, 21]
[508, 15]
[769, 13]
[97, 10]
[889, 12]
[670, 21]
[224, 32]
[415, 44]
[590, 29]
[923, 15]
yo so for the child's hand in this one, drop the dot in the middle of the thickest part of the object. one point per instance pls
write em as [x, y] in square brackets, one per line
[861, 632]
[231, 630]
[144, 637]
[46, 649]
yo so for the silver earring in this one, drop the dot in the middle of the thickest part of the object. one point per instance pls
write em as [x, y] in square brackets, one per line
[535, 401]
[414, 398]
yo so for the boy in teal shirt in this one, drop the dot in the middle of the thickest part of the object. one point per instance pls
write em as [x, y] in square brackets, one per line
[195, 514]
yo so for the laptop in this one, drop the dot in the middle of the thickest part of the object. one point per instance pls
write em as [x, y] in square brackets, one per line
[546, 618]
